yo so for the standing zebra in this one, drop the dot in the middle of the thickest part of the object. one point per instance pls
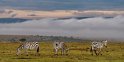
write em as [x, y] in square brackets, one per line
[96, 47]
[28, 46]
[62, 46]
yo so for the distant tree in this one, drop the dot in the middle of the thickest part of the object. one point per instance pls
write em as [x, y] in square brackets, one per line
[22, 39]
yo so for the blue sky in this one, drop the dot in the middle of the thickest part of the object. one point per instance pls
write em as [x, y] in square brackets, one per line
[63, 4]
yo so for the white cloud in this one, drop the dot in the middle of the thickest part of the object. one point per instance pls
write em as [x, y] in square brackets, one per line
[97, 27]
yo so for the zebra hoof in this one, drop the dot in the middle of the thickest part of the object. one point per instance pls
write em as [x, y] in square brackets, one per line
[56, 54]
[37, 54]
[97, 54]
[92, 54]
[61, 54]
[66, 54]
[107, 51]
[106, 46]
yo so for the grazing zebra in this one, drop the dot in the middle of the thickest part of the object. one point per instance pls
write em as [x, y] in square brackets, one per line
[60, 46]
[28, 46]
[96, 47]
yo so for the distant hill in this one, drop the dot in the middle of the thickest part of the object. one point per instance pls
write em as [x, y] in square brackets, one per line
[18, 20]
[12, 20]
[16, 38]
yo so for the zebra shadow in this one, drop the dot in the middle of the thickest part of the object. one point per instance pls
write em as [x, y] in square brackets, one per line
[31, 56]
[23, 58]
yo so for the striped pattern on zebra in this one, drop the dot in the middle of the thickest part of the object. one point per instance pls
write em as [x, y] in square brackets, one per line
[60, 46]
[96, 47]
[28, 46]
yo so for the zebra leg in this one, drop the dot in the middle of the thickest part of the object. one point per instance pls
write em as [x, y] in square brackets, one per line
[96, 52]
[91, 50]
[56, 51]
[37, 53]
[100, 52]
[26, 52]
[66, 51]
[62, 51]
[18, 51]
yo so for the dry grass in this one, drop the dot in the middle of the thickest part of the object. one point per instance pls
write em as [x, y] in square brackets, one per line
[79, 52]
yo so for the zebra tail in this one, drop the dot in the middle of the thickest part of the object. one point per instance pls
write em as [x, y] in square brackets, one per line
[91, 49]
[38, 49]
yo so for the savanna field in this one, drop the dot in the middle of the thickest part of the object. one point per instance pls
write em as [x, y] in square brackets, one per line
[79, 52]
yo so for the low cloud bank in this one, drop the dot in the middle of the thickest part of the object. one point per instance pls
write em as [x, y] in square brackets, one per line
[98, 27]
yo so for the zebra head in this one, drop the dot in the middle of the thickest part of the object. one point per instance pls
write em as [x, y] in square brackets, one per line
[105, 43]
[94, 43]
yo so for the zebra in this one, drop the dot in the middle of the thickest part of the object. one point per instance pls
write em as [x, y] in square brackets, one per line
[60, 46]
[28, 46]
[96, 47]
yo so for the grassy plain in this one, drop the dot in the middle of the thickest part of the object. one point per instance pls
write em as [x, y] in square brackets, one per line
[79, 52]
